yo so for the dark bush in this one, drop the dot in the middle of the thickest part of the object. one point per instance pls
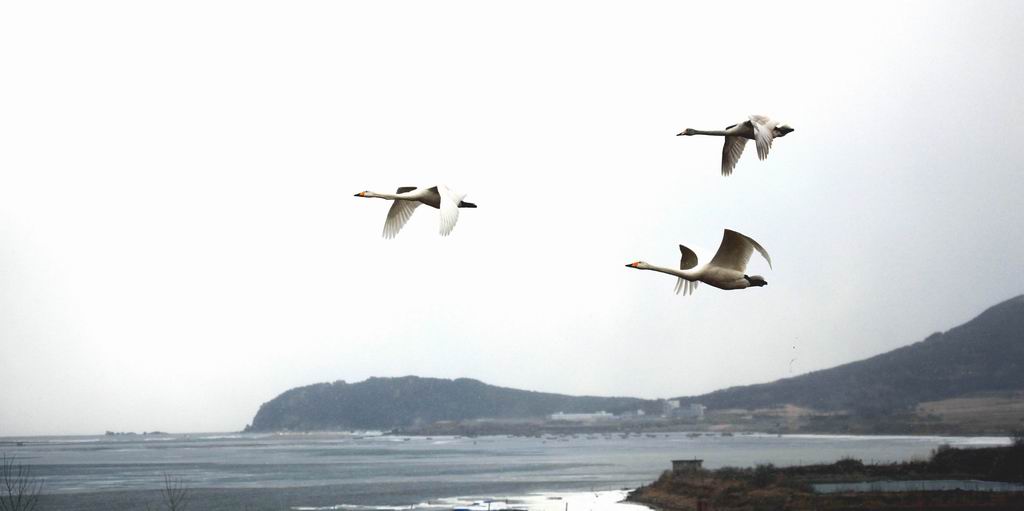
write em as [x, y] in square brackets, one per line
[764, 475]
[730, 473]
[850, 465]
[1017, 436]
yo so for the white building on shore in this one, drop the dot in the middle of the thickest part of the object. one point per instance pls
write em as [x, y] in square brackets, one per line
[673, 409]
[581, 417]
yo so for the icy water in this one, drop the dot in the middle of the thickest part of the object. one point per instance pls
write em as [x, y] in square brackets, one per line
[345, 471]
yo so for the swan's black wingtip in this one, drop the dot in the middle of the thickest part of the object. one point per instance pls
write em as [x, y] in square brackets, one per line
[464, 204]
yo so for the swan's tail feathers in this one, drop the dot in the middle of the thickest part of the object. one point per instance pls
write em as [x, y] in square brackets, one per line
[686, 286]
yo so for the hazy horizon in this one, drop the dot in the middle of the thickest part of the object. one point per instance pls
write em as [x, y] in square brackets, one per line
[179, 242]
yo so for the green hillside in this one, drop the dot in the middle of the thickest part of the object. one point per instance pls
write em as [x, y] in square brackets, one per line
[385, 403]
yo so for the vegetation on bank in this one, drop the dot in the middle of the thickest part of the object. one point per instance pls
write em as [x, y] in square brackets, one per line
[767, 487]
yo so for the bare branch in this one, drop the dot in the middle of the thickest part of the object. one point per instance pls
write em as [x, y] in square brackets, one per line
[174, 493]
[19, 490]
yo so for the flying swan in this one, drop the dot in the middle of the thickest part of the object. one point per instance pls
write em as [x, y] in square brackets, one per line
[725, 271]
[758, 128]
[408, 198]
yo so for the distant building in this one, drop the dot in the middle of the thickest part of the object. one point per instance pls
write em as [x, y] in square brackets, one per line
[684, 466]
[581, 417]
[691, 411]
[669, 406]
[695, 411]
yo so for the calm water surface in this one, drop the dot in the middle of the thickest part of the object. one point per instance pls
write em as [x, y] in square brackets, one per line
[345, 471]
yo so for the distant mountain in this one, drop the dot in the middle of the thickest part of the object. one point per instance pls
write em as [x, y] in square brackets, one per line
[386, 403]
[985, 354]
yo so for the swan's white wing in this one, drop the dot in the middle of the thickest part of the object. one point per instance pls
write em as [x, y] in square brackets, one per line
[398, 215]
[764, 133]
[734, 252]
[679, 284]
[449, 207]
[731, 152]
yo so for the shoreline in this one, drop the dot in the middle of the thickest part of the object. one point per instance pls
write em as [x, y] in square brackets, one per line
[226, 472]
[596, 500]
[25, 440]
[990, 478]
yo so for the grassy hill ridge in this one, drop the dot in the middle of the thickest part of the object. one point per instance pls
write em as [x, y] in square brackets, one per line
[985, 354]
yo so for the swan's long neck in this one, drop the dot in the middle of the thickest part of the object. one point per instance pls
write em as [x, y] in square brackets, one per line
[390, 196]
[714, 133]
[685, 274]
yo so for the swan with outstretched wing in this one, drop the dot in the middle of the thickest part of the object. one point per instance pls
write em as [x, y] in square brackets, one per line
[762, 130]
[726, 270]
[407, 198]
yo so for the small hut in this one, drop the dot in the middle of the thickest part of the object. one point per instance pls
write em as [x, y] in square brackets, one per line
[686, 466]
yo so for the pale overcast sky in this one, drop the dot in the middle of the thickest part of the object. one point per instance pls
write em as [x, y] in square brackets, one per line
[179, 241]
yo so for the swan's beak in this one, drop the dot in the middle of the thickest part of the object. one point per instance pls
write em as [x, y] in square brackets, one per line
[361, 194]
[632, 265]
[680, 134]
